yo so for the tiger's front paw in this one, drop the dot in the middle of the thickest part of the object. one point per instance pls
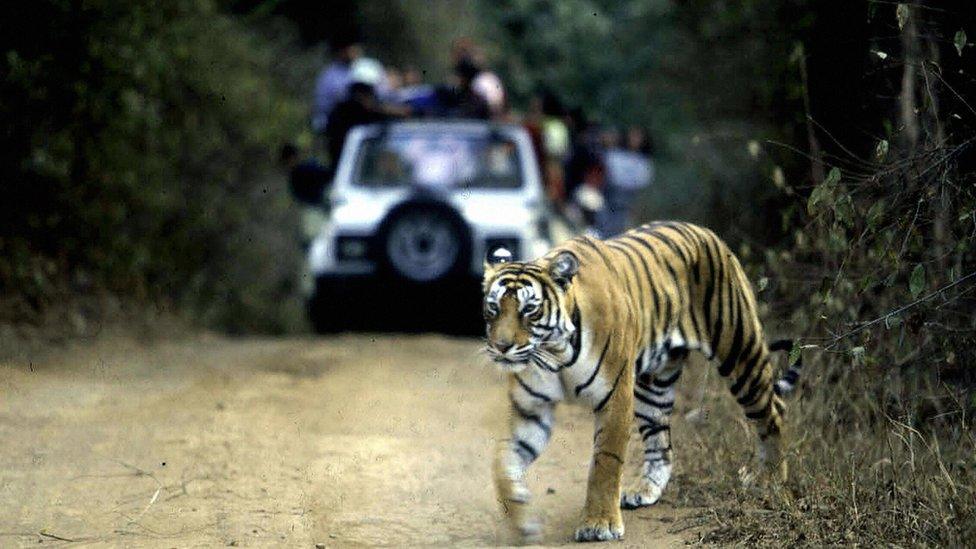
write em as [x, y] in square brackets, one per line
[529, 531]
[525, 524]
[601, 528]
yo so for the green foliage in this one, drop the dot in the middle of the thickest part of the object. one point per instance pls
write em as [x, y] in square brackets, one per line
[879, 276]
[139, 156]
[881, 150]
[795, 352]
[917, 281]
[704, 77]
[902, 13]
[824, 192]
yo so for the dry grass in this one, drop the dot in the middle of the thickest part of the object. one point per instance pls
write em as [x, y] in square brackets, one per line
[865, 466]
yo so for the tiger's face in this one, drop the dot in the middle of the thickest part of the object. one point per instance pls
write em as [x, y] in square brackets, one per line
[527, 310]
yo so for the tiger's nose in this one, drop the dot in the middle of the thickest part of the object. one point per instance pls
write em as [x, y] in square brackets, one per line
[504, 345]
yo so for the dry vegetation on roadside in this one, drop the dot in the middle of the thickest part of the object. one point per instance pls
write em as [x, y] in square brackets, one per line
[877, 281]
[859, 471]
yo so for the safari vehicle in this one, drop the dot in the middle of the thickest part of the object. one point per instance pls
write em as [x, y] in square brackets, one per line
[413, 209]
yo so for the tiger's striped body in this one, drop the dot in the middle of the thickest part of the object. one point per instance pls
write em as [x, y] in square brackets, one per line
[609, 324]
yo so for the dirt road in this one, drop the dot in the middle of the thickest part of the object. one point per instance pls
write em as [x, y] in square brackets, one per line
[351, 440]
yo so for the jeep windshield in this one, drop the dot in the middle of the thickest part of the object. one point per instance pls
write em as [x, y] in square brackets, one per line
[439, 159]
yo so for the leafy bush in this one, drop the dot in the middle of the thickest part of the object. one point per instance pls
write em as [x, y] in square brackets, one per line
[878, 277]
[138, 151]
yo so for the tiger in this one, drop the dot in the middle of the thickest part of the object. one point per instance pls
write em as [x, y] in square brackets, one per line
[610, 324]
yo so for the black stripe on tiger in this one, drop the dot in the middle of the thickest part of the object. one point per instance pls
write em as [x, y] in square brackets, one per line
[660, 291]
[528, 453]
[532, 418]
[606, 399]
[532, 392]
[599, 363]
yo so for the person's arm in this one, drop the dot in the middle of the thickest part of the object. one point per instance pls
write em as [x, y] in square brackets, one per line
[393, 110]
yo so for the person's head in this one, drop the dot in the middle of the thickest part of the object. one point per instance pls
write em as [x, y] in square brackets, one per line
[610, 137]
[412, 76]
[288, 157]
[637, 140]
[345, 49]
[535, 106]
[466, 71]
[463, 48]
[394, 78]
[527, 305]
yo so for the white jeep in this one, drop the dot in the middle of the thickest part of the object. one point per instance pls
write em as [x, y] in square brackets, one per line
[416, 205]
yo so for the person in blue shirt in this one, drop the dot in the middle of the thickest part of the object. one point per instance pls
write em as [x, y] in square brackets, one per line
[332, 84]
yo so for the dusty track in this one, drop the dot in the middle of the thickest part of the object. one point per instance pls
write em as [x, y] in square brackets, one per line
[351, 440]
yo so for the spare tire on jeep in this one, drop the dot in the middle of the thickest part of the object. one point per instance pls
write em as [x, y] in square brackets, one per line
[424, 241]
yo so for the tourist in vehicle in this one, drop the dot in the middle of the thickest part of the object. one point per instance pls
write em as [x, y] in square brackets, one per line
[415, 94]
[465, 102]
[585, 171]
[485, 83]
[360, 107]
[333, 82]
[363, 104]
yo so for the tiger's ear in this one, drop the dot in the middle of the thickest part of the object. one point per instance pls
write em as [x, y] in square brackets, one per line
[494, 258]
[563, 268]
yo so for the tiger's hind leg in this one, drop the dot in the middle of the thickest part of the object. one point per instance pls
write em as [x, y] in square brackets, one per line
[753, 386]
[653, 403]
[768, 418]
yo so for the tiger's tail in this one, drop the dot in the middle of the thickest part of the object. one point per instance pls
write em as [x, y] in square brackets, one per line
[785, 385]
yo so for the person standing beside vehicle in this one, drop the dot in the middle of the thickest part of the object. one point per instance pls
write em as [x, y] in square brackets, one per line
[629, 170]
[585, 174]
[308, 180]
[555, 145]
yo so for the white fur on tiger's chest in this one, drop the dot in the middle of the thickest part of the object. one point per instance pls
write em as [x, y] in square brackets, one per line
[562, 386]
[587, 381]
[536, 384]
